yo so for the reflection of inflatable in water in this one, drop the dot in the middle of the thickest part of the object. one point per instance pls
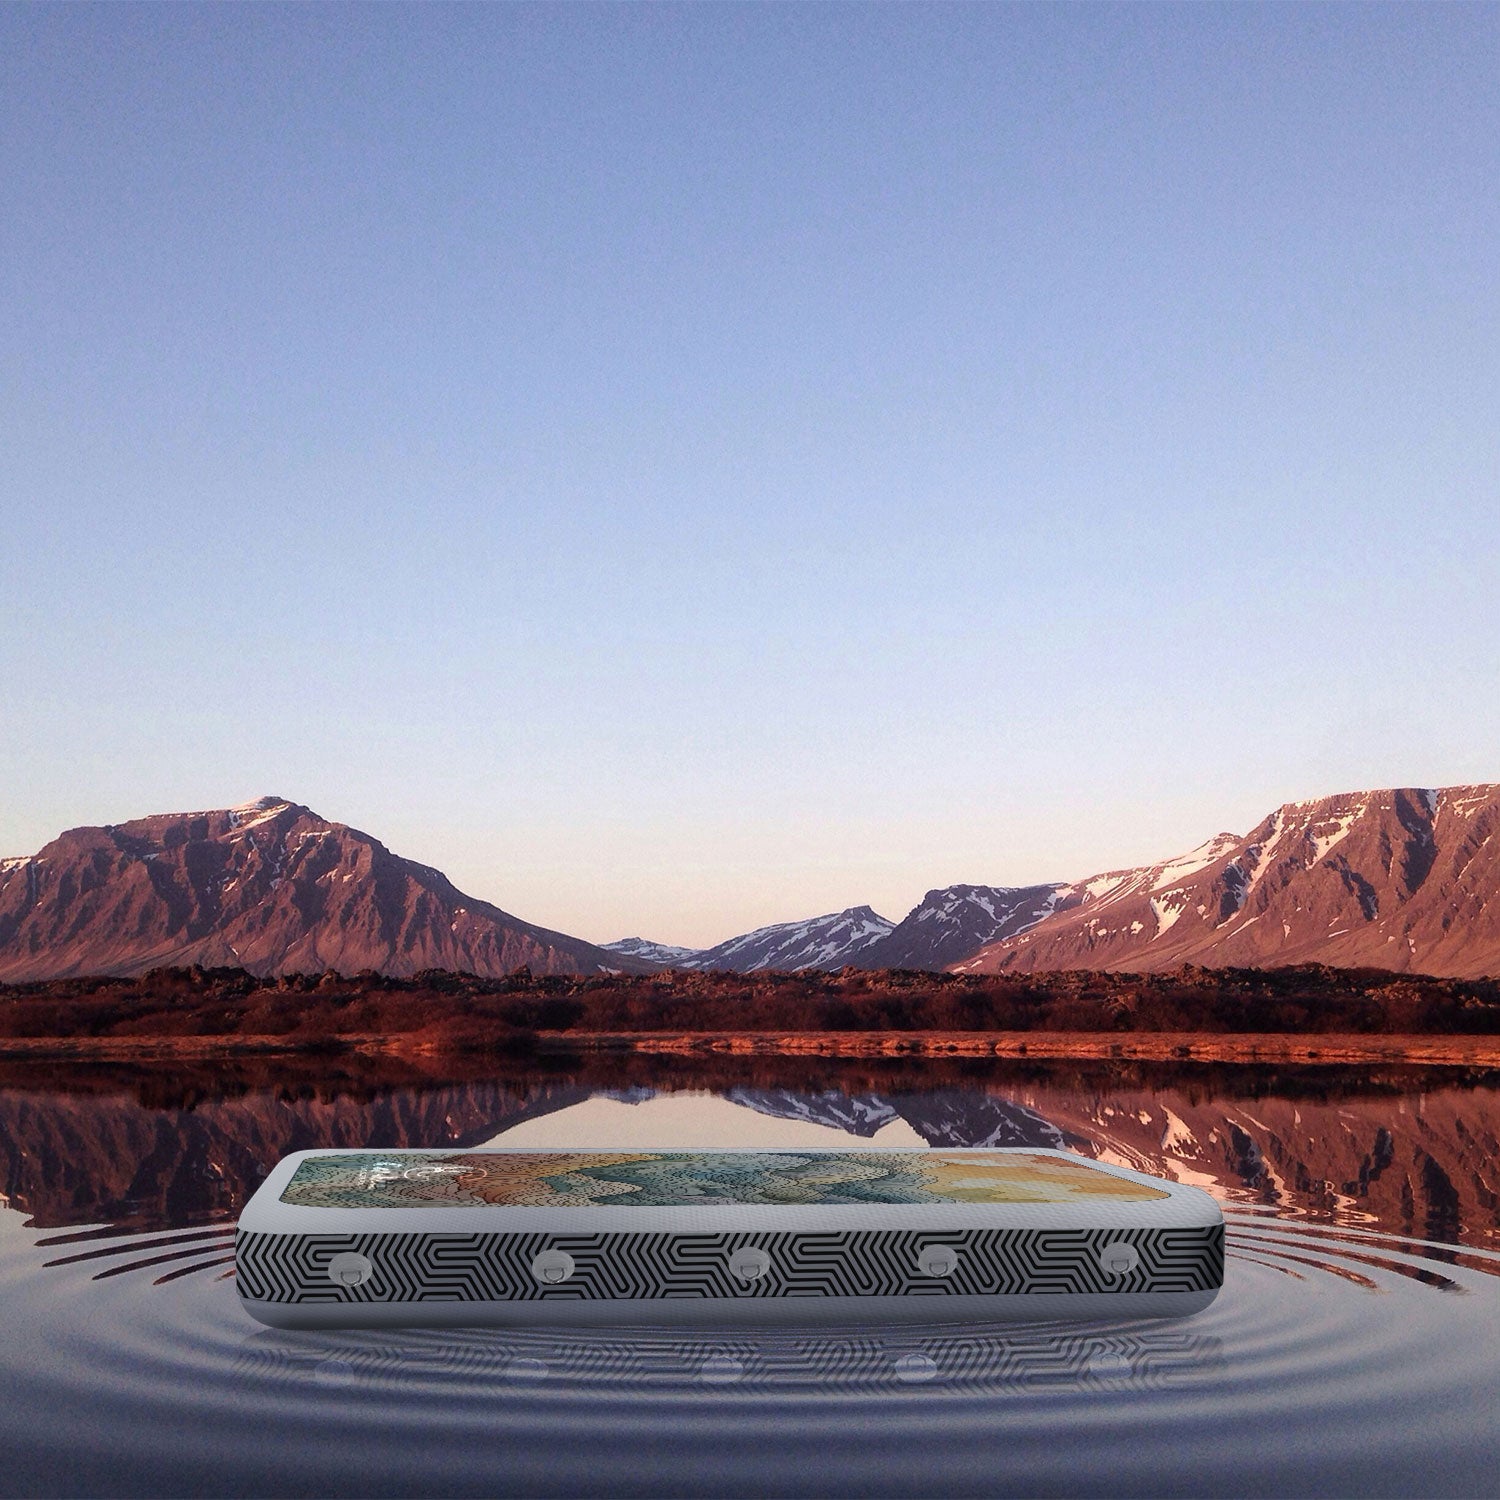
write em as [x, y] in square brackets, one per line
[835, 1361]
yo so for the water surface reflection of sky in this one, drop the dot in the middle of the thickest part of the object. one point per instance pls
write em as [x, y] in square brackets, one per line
[686, 1120]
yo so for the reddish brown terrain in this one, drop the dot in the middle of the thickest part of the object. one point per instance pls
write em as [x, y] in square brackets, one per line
[269, 887]
[229, 1010]
[1405, 880]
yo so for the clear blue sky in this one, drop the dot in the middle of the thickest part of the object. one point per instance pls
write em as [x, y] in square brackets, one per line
[677, 469]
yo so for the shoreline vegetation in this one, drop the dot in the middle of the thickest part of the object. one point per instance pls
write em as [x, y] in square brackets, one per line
[1309, 1013]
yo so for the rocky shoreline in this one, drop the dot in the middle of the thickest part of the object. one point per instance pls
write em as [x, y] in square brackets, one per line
[1224, 1047]
[1248, 1047]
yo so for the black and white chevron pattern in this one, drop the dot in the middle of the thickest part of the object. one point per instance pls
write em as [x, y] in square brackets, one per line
[876, 1263]
[979, 1357]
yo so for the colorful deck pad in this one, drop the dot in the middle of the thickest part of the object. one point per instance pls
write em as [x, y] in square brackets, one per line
[682, 1179]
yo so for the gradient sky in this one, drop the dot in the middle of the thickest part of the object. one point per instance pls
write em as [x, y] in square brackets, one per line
[677, 469]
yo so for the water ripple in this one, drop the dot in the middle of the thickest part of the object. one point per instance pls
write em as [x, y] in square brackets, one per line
[1335, 1359]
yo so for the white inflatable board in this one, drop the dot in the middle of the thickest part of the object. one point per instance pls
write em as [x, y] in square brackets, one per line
[380, 1238]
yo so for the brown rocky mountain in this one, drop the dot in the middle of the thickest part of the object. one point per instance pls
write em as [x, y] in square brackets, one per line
[1403, 879]
[269, 887]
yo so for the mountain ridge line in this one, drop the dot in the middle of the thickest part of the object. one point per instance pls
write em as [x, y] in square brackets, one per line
[1405, 879]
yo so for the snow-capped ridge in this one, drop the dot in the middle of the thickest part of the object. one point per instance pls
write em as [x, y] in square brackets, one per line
[951, 922]
[1371, 878]
[668, 955]
[1174, 871]
[828, 942]
[825, 942]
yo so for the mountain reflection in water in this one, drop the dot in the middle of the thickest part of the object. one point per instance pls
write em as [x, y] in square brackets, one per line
[1350, 1352]
[1414, 1151]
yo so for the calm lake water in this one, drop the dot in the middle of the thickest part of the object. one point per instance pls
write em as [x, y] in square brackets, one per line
[1354, 1350]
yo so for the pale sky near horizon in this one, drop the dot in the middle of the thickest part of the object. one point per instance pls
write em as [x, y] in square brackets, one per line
[677, 469]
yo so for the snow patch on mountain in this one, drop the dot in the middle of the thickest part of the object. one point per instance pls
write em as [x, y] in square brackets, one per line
[1177, 1134]
[1166, 914]
[1260, 854]
[248, 815]
[1324, 842]
[1175, 871]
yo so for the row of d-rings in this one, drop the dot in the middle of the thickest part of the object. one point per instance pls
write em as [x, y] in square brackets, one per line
[745, 1264]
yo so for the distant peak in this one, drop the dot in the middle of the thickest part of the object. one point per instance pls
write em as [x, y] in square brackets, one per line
[261, 804]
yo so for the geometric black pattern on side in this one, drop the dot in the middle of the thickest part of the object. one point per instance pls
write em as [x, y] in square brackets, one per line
[868, 1263]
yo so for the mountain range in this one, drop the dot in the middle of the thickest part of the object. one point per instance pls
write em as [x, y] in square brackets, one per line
[1403, 879]
[947, 925]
